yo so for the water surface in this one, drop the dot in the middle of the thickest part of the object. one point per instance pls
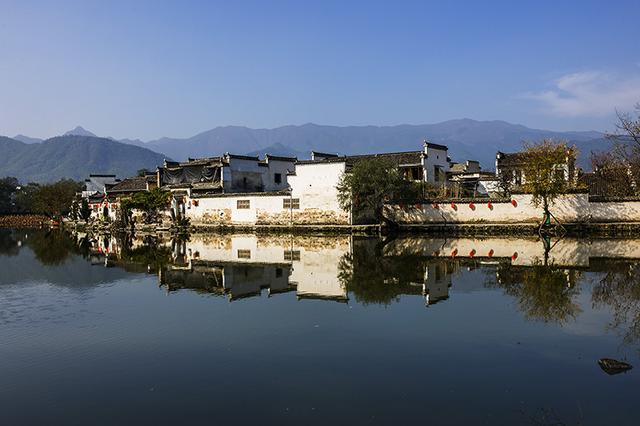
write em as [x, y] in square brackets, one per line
[247, 329]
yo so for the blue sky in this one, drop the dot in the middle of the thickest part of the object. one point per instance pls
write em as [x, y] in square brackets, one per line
[146, 69]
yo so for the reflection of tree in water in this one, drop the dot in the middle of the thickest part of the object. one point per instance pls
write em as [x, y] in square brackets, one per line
[375, 279]
[620, 290]
[150, 255]
[544, 293]
[8, 243]
[54, 247]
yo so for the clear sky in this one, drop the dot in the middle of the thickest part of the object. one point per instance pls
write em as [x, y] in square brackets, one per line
[146, 69]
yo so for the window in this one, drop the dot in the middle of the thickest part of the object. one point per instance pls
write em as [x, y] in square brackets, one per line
[291, 203]
[518, 178]
[244, 254]
[292, 255]
[278, 272]
[277, 178]
[243, 204]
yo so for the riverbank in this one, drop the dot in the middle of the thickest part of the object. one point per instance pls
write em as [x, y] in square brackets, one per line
[24, 221]
[608, 229]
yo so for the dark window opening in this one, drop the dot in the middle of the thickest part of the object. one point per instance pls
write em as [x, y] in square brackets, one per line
[244, 254]
[291, 255]
[277, 178]
[291, 203]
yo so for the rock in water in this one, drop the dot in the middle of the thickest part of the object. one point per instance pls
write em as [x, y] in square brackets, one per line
[612, 366]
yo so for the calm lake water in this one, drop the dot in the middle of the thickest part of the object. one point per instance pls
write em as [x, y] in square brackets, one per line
[277, 329]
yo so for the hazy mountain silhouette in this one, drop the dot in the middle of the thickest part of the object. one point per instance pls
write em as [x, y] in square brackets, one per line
[466, 138]
[27, 139]
[73, 157]
[79, 131]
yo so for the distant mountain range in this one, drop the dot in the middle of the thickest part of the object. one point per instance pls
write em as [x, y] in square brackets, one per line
[466, 139]
[73, 157]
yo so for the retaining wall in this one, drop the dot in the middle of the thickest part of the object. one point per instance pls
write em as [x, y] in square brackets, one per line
[570, 208]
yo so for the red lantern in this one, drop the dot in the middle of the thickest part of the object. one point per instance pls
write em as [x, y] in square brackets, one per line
[454, 253]
[515, 256]
[472, 253]
[453, 206]
[490, 205]
[471, 206]
[514, 203]
[490, 254]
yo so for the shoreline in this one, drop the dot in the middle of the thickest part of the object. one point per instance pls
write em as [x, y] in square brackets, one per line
[576, 229]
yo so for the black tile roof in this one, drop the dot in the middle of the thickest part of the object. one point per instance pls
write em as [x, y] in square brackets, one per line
[398, 158]
[133, 184]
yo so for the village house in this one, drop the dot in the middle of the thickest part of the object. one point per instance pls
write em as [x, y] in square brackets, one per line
[510, 167]
[243, 190]
[468, 180]
[105, 205]
[430, 164]
[213, 177]
[97, 184]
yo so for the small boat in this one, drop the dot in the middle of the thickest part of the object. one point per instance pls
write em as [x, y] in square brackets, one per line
[612, 366]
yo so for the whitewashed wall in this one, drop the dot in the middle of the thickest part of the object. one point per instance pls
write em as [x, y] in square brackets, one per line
[435, 157]
[568, 208]
[277, 166]
[223, 210]
[314, 185]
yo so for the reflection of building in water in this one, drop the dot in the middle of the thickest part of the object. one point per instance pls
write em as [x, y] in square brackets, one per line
[437, 280]
[245, 265]
[235, 280]
[519, 251]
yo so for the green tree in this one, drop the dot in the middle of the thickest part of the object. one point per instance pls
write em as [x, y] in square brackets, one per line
[25, 197]
[85, 210]
[545, 174]
[151, 203]
[8, 188]
[369, 185]
[55, 200]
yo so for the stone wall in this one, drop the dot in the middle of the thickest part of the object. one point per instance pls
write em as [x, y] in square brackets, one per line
[571, 208]
[263, 209]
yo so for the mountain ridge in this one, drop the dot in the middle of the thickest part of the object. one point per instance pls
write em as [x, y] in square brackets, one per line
[466, 138]
[72, 157]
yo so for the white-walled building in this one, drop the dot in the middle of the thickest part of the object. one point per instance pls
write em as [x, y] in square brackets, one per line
[240, 190]
[97, 184]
